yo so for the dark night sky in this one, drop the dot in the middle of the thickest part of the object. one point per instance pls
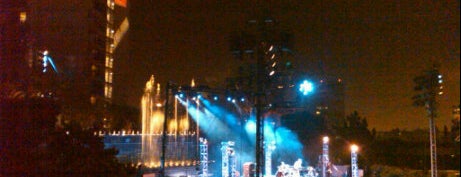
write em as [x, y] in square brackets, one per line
[376, 47]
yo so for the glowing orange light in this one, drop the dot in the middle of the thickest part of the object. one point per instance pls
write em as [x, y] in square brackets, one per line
[121, 2]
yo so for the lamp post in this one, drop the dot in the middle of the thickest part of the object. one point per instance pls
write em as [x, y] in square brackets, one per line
[354, 159]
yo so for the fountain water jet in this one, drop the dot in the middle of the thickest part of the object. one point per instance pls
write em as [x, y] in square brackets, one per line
[179, 138]
[152, 121]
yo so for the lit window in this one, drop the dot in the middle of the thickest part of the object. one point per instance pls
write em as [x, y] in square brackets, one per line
[22, 17]
[110, 77]
[109, 94]
[107, 77]
[107, 61]
[93, 100]
[106, 91]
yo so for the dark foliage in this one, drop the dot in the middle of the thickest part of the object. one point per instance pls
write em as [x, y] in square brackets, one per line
[31, 144]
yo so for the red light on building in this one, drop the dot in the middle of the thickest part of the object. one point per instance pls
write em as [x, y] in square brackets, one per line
[121, 2]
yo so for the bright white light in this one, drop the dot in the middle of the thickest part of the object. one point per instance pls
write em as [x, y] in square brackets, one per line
[271, 73]
[273, 64]
[270, 48]
[306, 87]
[215, 98]
[326, 139]
[354, 148]
[440, 76]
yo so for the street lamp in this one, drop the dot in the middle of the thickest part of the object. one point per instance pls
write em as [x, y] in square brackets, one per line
[354, 159]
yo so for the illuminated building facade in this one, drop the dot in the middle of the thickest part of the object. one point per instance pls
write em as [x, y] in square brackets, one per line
[109, 60]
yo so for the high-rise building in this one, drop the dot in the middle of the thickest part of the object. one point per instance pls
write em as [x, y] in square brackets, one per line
[326, 99]
[283, 96]
[13, 46]
[79, 37]
[281, 80]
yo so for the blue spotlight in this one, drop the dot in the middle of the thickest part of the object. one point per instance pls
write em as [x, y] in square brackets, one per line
[306, 87]
[250, 127]
[229, 98]
[199, 96]
[215, 98]
[181, 95]
[233, 100]
[242, 99]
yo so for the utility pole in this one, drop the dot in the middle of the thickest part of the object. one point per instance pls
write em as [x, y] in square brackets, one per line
[428, 86]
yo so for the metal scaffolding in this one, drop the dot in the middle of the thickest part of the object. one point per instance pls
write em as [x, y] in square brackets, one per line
[204, 157]
[228, 163]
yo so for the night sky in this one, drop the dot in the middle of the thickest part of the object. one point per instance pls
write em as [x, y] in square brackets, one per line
[376, 47]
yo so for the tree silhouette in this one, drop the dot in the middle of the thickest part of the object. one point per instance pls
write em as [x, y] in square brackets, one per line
[32, 144]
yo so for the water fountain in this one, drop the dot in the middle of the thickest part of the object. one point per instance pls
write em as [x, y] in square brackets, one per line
[180, 140]
[152, 121]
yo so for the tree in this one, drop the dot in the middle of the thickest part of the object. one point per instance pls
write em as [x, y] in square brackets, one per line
[32, 145]
[352, 129]
[125, 118]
